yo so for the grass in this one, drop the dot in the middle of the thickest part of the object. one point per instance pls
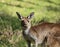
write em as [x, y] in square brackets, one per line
[49, 10]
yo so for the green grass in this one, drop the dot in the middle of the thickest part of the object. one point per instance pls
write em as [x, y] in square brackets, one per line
[49, 10]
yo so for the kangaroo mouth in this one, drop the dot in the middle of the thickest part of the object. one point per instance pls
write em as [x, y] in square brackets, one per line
[24, 26]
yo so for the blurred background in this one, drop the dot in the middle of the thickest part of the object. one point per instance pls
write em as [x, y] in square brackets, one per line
[10, 26]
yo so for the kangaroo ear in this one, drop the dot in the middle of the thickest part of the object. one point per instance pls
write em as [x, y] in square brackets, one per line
[31, 15]
[19, 16]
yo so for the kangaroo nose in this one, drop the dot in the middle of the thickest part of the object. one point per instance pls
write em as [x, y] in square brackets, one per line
[23, 23]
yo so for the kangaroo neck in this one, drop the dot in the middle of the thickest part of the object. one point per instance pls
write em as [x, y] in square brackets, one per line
[26, 31]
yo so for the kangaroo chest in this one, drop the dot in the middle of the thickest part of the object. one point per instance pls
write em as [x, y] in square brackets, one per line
[27, 36]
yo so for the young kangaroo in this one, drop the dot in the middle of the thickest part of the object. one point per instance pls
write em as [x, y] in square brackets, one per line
[36, 33]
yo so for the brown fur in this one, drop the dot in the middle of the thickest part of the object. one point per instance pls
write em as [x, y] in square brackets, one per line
[53, 41]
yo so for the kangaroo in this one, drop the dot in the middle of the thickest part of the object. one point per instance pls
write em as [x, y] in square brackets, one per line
[36, 34]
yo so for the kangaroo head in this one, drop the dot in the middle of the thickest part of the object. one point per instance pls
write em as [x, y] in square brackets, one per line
[25, 21]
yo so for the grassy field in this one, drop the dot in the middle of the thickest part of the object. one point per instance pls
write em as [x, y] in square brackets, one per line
[10, 26]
